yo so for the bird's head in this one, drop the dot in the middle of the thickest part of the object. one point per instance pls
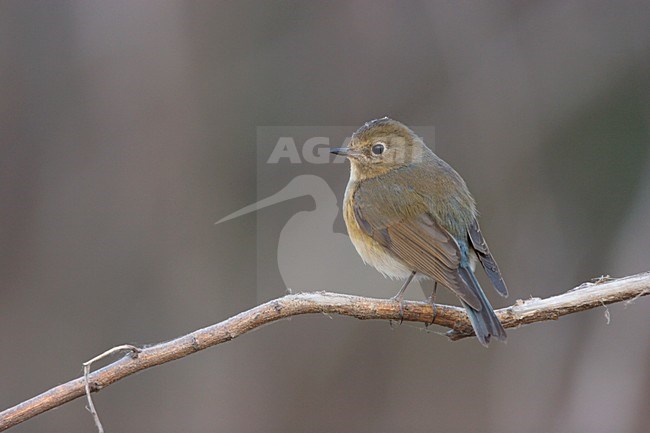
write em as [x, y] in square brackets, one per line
[380, 146]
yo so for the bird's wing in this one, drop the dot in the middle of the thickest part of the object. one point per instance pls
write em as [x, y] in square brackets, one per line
[486, 259]
[425, 246]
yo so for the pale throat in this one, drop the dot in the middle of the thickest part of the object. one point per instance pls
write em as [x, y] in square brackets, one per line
[354, 172]
[357, 174]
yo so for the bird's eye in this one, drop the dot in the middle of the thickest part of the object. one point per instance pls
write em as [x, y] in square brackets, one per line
[378, 148]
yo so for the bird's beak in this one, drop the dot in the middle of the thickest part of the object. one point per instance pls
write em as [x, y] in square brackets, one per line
[345, 151]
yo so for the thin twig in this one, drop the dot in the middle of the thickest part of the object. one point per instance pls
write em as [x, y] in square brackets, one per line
[88, 364]
[584, 297]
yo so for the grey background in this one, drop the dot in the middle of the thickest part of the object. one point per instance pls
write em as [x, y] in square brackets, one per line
[128, 128]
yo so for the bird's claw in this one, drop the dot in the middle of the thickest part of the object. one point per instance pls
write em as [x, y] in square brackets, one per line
[435, 314]
[431, 300]
[400, 301]
[399, 297]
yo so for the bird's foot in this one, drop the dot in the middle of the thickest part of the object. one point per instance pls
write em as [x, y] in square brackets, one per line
[399, 298]
[431, 300]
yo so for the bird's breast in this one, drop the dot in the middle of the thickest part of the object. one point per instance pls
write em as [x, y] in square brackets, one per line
[371, 251]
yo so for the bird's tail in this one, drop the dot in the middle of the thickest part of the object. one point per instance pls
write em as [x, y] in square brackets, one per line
[486, 324]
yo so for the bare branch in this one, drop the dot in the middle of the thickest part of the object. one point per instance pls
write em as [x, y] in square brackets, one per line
[584, 297]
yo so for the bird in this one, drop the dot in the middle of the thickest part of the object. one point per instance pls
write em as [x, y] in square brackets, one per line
[410, 215]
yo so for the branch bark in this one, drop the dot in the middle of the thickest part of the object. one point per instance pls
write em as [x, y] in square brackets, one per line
[589, 295]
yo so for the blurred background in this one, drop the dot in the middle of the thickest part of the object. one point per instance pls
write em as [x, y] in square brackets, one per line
[128, 128]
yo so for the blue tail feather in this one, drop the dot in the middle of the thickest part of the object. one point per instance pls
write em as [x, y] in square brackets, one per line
[485, 323]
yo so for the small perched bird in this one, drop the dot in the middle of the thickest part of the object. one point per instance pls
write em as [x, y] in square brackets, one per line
[409, 214]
